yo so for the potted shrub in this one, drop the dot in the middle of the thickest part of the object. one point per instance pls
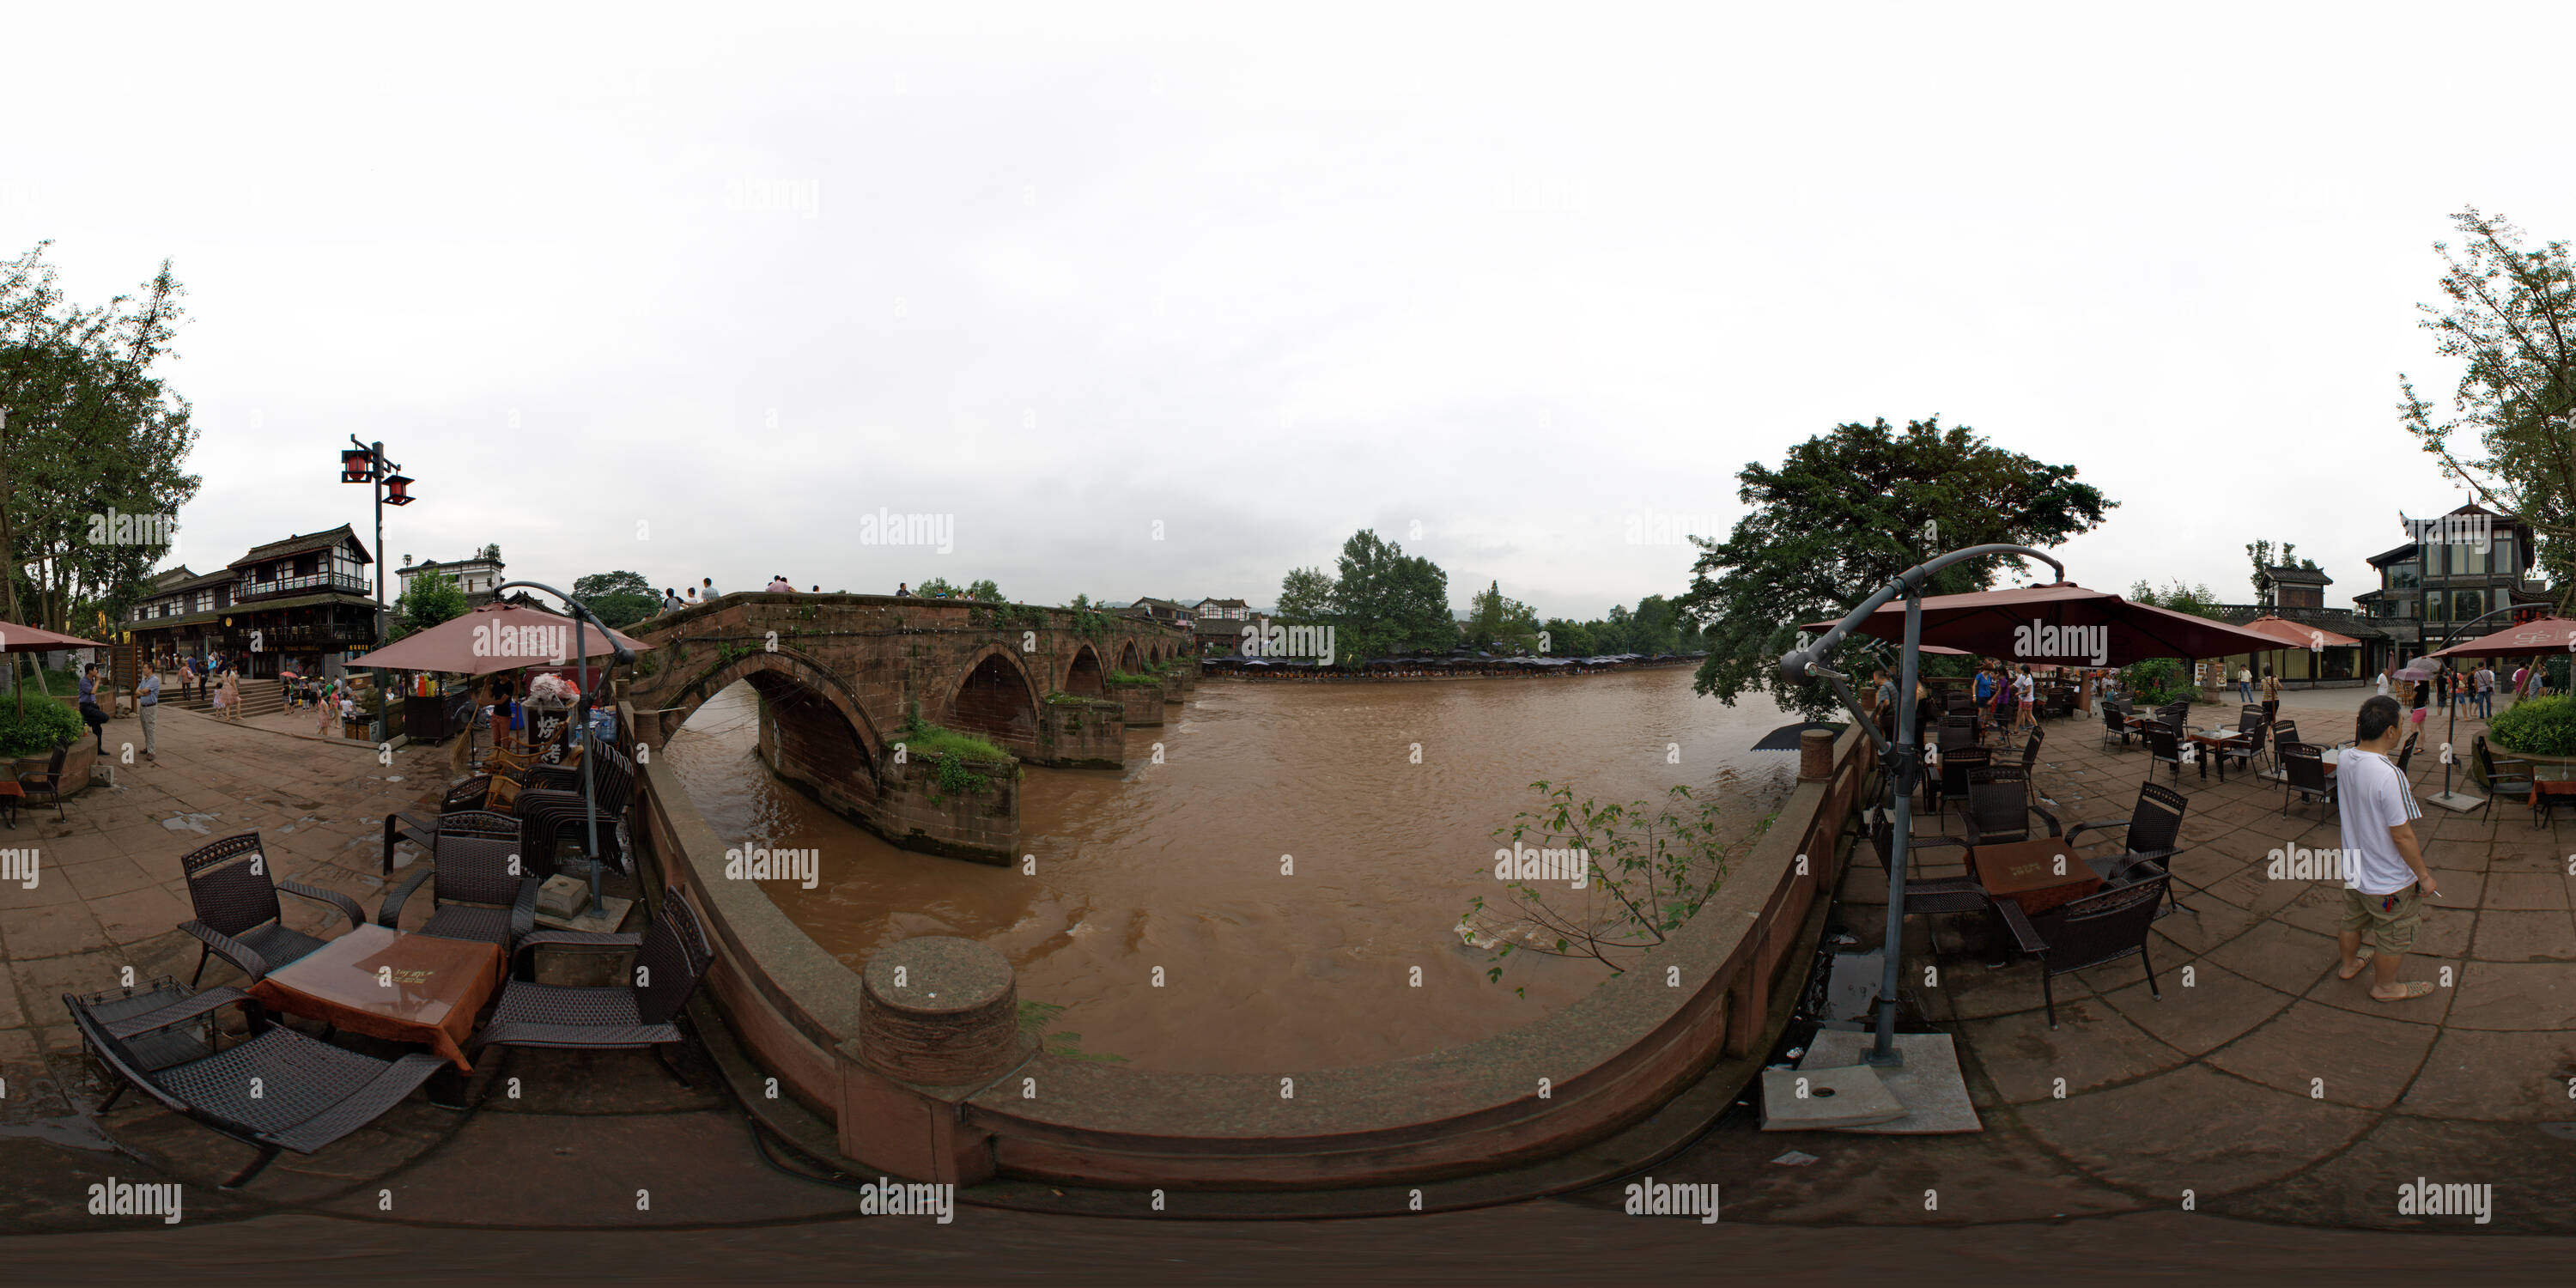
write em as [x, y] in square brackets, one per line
[28, 738]
[2540, 730]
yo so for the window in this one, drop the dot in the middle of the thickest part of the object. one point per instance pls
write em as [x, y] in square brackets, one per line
[2433, 605]
[2502, 560]
[2437, 561]
[2401, 575]
[2467, 559]
[2467, 605]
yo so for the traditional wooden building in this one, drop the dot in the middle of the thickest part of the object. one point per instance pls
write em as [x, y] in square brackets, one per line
[303, 604]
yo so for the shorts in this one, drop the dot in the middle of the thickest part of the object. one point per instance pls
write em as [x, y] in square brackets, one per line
[2419, 715]
[2387, 921]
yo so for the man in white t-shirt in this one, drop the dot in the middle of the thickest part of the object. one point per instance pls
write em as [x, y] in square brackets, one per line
[2384, 876]
[2486, 692]
[2383, 689]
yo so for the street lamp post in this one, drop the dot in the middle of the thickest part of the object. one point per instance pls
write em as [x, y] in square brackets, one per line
[366, 463]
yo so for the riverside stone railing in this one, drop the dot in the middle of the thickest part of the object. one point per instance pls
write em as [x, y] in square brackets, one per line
[1715, 994]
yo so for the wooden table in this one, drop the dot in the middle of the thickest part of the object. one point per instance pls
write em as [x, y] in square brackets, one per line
[2545, 795]
[2039, 874]
[2214, 744]
[404, 988]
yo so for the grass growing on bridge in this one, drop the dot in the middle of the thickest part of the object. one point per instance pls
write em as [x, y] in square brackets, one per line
[921, 739]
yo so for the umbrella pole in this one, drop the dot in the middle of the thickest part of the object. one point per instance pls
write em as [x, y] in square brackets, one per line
[589, 811]
[1907, 762]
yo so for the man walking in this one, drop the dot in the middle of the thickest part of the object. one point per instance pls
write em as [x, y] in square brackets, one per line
[2384, 875]
[147, 709]
[2486, 692]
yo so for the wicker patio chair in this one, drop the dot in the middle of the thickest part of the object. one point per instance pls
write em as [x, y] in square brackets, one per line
[234, 896]
[2104, 926]
[48, 784]
[1952, 783]
[2303, 775]
[2503, 774]
[1999, 806]
[275, 1089]
[555, 811]
[2115, 723]
[2163, 748]
[479, 885]
[2150, 838]
[453, 816]
[671, 956]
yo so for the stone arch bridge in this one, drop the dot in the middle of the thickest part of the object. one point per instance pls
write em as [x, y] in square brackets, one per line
[840, 676]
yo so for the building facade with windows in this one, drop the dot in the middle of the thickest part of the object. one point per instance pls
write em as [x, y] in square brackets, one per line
[479, 575]
[2468, 563]
[303, 604]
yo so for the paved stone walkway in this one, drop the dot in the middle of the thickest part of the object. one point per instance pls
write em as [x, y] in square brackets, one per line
[2260, 1082]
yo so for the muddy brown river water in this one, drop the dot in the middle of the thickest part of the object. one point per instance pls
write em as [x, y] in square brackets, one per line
[1177, 866]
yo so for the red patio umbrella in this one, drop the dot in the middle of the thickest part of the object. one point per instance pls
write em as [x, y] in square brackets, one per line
[36, 639]
[2063, 623]
[496, 637]
[2530, 639]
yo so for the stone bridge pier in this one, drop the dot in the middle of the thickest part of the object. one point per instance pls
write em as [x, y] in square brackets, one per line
[840, 678]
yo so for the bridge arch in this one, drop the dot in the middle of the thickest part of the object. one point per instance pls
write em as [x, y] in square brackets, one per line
[1127, 664]
[1084, 675]
[790, 672]
[995, 698]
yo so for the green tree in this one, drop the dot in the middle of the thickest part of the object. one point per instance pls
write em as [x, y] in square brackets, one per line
[936, 588]
[1497, 620]
[2195, 600]
[431, 598]
[2510, 317]
[984, 589]
[1305, 595]
[619, 598]
[1385, 602]
[87, 431]
[1840, 517]
[1569, 638]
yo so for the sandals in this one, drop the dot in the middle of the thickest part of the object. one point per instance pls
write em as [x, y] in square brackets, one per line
[2362, 956]
[2414, 989]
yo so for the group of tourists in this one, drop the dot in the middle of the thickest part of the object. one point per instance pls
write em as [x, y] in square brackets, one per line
[2451, 689]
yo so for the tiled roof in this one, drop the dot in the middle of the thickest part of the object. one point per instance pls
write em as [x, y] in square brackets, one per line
[304, 544]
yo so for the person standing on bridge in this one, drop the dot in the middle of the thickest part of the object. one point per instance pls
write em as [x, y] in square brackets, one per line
[671, 602]
[903, 590]
[708, 592]
[778, 585]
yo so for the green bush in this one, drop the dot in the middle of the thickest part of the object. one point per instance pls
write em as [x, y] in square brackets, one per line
[46, 724]
[2540, 727]
[2157, 681]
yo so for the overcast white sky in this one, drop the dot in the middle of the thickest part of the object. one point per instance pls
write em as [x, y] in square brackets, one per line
[1270, 274]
